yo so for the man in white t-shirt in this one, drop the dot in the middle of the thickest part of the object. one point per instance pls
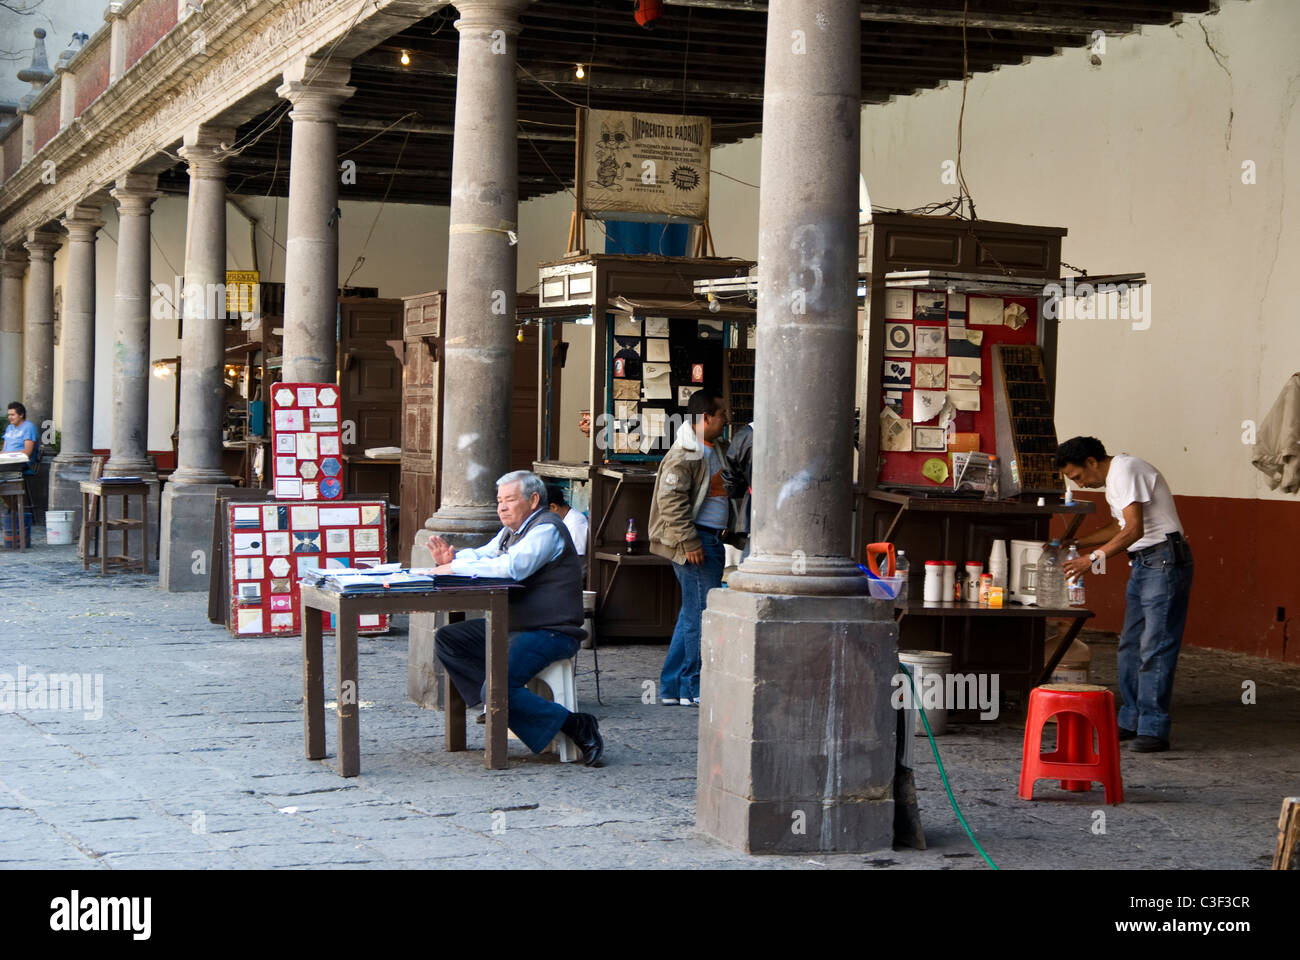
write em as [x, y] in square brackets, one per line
[1145, 524]
[575, 520]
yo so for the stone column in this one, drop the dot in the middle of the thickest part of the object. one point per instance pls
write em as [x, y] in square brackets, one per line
[129, 455]
[796, 733]
[72, 465]
[38, 332]
[311, 266]
[12, 268]
[187, 503]
[481, 278]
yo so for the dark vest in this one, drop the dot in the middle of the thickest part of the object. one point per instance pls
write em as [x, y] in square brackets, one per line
[552, 597]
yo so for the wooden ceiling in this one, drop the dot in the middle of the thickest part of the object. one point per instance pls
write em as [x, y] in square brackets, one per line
[702, 57]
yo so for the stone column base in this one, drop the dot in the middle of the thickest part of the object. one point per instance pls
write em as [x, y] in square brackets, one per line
[65, 487]
[186, 529]
[797, 735]
[423, 672]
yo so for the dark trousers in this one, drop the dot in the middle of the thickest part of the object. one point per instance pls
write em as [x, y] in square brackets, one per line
[462, 649]
[1155, 612]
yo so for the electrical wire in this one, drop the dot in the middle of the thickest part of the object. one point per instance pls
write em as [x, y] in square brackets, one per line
[397, 165]
[543, 84]
[963, 190]
[409, 113]
[727, 176]
[564, 184]
[942, 774]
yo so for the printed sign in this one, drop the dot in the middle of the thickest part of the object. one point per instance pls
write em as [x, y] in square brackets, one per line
[639, 166]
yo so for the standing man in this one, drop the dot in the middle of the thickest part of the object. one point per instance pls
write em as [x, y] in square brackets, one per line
[1146, 525]
[574, 520]
[740, 481]
[689, 516]
[545, 616]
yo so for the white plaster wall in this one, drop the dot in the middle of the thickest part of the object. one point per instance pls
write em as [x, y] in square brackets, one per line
[1139, 159]
[1136, 157]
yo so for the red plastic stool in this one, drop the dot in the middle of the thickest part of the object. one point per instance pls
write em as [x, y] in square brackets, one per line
[1079, 708]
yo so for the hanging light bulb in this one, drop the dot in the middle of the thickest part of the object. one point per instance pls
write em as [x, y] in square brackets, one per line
[579, 72]
[406, 58]
[519, 334]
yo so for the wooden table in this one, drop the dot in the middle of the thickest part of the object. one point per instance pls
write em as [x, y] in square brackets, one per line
[108, 488]
[940, 608]
[17, 514]
[346, 610]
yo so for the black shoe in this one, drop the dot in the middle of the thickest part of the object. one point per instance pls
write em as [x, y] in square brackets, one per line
[588, 739]
[1127, 734]
[1145, 744]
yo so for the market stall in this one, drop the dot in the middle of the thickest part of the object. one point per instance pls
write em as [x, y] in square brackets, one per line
[646, 343]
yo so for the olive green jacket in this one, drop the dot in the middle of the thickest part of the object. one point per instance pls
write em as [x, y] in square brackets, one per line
[681, 487]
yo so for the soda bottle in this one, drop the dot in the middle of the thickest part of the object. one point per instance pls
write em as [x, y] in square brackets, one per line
[630, 536]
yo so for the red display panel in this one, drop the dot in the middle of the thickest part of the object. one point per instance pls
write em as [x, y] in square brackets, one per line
[903, 469]
[306, 444]
[271, 544]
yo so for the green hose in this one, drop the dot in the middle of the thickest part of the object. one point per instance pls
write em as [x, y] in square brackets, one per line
[943, 776]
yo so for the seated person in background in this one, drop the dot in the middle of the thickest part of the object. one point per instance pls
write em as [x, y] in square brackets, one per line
[575, 520]
[20, 435]
[533, 547]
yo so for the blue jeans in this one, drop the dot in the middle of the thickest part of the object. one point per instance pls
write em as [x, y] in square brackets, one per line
[680, 677]
[462, 648]
[1159, 586]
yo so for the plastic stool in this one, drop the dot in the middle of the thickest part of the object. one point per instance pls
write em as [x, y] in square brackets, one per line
[556, 683]
[1079, 708]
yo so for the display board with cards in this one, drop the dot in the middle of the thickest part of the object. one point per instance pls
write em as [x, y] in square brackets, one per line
[655, 364]
[306, 442]
[272, 544]
[936, 382]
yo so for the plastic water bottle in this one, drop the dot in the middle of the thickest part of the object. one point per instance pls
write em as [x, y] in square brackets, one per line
[993, 485]
[903, 569]
[1074, 586]
[1050, 586]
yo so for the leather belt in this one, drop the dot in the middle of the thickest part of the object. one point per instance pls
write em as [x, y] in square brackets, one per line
[1147, 551]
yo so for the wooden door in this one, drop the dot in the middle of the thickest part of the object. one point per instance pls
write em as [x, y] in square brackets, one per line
[523, 400]
[370, 375]
[422, 384]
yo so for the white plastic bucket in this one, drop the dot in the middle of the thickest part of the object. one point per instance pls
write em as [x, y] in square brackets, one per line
[923, 662]
[58, 526]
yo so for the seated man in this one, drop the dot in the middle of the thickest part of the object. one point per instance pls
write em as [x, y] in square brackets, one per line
[20, 435]
[575, 520]
[546, 615]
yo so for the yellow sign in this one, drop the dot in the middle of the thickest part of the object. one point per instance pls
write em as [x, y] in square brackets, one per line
[243, 295]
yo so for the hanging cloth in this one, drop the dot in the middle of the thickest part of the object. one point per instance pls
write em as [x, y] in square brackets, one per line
[1277, 450]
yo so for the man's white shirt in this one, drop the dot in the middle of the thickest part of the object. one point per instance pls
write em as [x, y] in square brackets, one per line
[1131, 480]
[541, 545]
